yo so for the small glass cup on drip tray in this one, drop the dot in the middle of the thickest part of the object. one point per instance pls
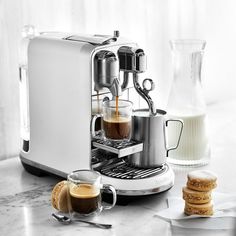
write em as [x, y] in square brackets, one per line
[116, 120]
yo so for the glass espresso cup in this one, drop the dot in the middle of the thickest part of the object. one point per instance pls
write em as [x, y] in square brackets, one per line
[84, 193]
[116, 120]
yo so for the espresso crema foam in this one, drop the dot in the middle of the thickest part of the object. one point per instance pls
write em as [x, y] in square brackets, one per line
[84, 191]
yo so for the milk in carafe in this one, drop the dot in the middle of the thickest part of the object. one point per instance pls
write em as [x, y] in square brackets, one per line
[186, 102]
[194, 143]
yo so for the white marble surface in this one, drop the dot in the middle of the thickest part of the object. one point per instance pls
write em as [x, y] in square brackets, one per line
[25, 207]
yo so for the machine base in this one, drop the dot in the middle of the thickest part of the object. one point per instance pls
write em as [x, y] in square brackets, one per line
[154, 184]
[124, 200]
[40, 170]
[34, 170]
[125, 187]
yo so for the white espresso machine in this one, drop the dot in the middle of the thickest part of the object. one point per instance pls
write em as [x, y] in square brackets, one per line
[60, 75]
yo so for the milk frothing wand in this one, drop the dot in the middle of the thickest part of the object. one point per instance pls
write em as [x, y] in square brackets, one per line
[143, 92]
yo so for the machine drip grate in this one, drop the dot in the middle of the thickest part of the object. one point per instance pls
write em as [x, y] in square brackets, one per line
[109, 165]
[123, 170]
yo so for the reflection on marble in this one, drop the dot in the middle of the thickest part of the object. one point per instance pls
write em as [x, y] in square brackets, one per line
[37, 197]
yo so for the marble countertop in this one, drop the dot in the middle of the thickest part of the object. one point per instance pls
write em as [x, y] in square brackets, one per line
[25, 207]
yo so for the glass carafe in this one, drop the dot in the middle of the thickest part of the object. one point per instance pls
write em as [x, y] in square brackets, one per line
[186, 102]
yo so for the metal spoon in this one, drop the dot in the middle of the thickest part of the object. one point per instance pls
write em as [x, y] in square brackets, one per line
[66, 220]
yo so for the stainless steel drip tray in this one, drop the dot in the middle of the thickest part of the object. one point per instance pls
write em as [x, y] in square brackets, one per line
[108, 164]
[122, 149]
[129, 180]
[123, 170]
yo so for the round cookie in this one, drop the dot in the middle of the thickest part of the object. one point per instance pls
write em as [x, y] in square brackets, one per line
[196, 197]
[59, 196]
[198, 209]
[201, 180]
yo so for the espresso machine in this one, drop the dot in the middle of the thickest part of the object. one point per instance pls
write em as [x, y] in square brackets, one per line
[60, 75]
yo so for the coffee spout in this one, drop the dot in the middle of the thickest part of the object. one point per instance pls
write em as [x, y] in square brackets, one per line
[115, 88]
[106, 69]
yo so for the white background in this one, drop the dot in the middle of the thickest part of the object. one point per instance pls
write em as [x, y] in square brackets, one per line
[151, 23]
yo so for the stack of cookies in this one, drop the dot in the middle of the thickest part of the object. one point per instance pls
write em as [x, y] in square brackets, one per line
[197, 194]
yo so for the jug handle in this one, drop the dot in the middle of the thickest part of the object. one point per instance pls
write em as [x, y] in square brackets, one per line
[180, 133]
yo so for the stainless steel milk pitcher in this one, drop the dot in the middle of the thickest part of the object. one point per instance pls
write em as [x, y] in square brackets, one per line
[151, 130]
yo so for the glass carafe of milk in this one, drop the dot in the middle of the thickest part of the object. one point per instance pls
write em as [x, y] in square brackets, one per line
[186, 102]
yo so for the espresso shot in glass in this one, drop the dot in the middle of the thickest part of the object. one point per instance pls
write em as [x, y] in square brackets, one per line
[117, 118]
[84, 193]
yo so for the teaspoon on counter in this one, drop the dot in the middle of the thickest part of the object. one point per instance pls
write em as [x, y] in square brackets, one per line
[66, 220]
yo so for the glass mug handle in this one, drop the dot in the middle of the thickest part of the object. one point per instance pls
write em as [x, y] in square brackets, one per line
[93, 122]
[180, 133]
[112, 189]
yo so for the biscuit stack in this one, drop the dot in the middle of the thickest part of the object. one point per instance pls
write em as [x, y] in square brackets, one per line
[197, 194]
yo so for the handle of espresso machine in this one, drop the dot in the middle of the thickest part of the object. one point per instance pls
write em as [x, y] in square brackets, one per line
[180, 134]
[93, 122]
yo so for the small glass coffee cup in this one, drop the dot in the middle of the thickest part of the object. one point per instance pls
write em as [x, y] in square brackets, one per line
[84, 194]
[116, 120]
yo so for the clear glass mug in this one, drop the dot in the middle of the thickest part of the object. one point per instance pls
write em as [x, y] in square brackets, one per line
[84, 193]
[116, 123]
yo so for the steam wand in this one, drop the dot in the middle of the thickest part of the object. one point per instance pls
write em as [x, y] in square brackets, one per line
[143, 92]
